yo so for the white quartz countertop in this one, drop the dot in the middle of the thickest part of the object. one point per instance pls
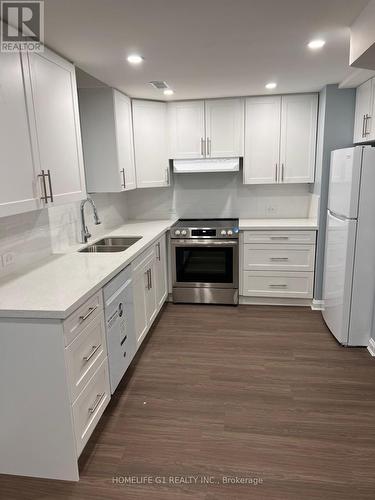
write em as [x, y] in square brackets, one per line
[276, 224]
[55, 288]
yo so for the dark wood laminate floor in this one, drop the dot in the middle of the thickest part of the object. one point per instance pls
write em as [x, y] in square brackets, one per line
[252, 392]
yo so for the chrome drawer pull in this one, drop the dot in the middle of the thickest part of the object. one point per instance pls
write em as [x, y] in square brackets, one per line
[97, 402]
[279, 259]
[278, 286]
[89, 312]
[123, 340]
[94, 349]
[279, 237]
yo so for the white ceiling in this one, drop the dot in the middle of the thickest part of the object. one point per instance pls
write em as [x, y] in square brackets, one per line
[205, 48]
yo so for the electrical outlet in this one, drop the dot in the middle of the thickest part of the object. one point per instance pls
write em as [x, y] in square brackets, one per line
[271, 210]
[8, 259]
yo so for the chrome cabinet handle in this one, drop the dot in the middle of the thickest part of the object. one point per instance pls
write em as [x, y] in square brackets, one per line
[279, 237]
[89, 312]
[208, 152]
[45, 197]
[278, 286]
[167, 176]
[367, 118]
[279, 259]
[158, 252]
[150, 278]
[123, 340]
[282, 172]
[94, 349]
[202, 150]
[363, 125]
[96, 403]
[275, 172]
[123, 178]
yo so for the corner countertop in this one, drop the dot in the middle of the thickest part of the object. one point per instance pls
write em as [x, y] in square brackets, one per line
[277, 224]
[58, 286]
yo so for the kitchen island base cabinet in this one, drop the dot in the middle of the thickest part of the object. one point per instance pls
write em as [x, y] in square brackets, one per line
[150, 287]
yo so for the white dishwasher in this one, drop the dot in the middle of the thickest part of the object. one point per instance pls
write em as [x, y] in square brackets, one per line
[119, 317]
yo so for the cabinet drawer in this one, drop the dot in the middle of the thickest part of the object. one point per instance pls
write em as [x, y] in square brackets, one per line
[288, 237]
[78, 320]
[145, 256]
[90, 405]
[85, 354]
[278, 284]
[279, 257]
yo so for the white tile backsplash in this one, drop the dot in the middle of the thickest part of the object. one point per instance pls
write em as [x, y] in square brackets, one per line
[33, 236]
[219, 195]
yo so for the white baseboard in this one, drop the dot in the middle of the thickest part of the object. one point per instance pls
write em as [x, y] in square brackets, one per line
[317, 305]
[274, 301]
[371, 347]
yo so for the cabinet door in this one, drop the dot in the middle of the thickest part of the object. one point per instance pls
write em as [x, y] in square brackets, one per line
[186, 129]
[54, 94]
[262, 140]
[362, 109]
[161, 281]
[370, 121]
[124, 139]
[18, 187]
[151, 305]
[299, 115]
[150, 142]
[224, 128]
[140, 284]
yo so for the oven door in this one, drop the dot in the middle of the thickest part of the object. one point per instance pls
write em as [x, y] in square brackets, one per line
[205, 263]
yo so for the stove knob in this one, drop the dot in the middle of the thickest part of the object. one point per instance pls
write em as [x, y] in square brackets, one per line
[223, 232]
[177, 232]
[230, 232]
[183, 232]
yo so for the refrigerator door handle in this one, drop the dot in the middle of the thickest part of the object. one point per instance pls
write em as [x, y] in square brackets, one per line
[340, 217]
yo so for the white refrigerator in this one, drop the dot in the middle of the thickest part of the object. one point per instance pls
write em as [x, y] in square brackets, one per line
[349, 268]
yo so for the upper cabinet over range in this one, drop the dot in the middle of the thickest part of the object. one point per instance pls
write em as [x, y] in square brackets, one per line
[40, 138]
[364, 128]
[280, 139]
[206, 129]
[107, 135]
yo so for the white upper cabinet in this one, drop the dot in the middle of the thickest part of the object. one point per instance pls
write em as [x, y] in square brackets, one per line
[224, 128]
[298, 138]
[280, 139]
[107, 136]
[206, 129]
[364, 128]
[186, 129]
[150, 143]
[56, 122]
[262, 140]
[18, 188]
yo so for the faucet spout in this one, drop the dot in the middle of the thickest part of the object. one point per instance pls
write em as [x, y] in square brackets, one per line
[85, 233]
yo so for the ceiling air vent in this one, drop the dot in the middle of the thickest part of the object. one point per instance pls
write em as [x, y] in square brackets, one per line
[159, 85]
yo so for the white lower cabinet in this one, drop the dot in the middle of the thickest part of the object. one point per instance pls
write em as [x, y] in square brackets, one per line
[150, 286]
[278, 264]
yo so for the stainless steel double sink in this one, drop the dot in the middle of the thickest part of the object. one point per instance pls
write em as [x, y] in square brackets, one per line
[112, 244]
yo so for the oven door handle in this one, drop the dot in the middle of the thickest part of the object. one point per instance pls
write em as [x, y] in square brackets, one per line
[190, 243]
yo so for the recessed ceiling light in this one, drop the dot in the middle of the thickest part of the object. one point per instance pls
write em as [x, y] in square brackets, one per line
[135, 59]
[271, 85]
[316, 44]
[168, 92]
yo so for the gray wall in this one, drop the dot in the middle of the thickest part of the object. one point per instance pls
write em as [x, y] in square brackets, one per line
[335, 130]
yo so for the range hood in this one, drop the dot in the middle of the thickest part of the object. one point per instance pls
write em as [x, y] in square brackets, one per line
[206, 165]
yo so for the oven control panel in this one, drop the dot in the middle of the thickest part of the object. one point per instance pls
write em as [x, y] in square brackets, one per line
[214, 233]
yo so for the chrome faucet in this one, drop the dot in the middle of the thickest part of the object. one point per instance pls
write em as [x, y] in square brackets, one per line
[85, 233]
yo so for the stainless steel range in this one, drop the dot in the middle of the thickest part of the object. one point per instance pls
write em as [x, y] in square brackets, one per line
[205, 261]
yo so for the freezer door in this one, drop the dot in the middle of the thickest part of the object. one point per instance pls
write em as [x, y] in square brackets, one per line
[338, 275]
[344, 183]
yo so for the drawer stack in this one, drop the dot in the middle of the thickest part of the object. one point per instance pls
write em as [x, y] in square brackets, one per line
[87, 367]
[278, 264]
